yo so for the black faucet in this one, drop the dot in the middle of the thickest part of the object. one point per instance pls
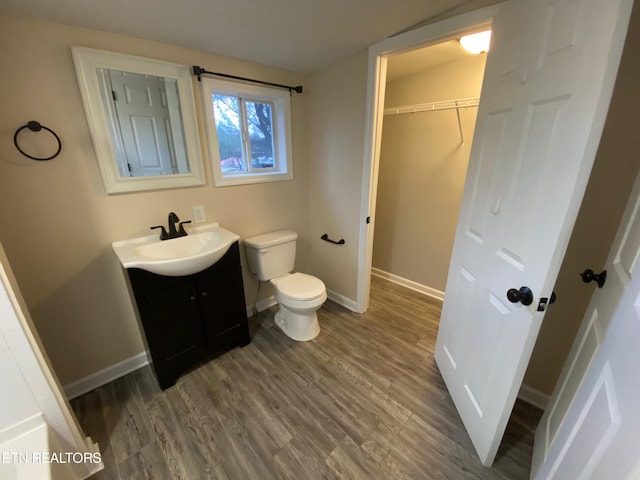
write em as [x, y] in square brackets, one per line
[173, 233]
[173, 219]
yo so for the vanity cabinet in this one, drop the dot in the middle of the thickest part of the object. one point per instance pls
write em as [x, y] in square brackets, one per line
[187, 319]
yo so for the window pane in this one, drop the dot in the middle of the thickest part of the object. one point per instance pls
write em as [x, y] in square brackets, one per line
[260, 134]
[227, 118]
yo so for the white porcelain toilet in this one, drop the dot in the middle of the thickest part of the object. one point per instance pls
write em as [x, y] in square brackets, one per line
[271, 256]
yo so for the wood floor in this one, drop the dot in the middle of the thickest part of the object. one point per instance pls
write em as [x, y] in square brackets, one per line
[364, 400]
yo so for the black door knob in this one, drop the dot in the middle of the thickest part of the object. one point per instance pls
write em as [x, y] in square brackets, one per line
[589, 276]
[524, 295]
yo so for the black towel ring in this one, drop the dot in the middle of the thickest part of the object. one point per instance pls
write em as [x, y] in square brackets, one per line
[36, 127]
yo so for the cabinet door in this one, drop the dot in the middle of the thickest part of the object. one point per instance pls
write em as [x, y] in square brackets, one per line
[224, 314]
[172, 325]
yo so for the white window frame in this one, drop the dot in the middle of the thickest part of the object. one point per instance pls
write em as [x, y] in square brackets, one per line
[281, 118]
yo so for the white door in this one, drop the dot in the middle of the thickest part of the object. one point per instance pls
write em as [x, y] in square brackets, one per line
[545, 95]
[145, 124]
[591, 428]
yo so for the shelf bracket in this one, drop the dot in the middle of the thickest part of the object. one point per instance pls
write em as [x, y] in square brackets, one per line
[460, 125]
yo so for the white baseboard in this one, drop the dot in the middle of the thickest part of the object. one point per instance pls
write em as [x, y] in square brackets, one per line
[418, 287]
[342, 300]
[102, 377]
[271, 301]
[533, 396]
[261, 305]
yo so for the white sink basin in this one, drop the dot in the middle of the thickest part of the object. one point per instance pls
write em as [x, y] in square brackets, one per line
[203, 247]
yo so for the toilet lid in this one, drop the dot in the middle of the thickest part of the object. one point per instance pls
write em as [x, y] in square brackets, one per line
[300, 286]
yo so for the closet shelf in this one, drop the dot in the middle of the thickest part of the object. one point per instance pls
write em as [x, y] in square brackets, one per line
[456, 104]
[434, 106]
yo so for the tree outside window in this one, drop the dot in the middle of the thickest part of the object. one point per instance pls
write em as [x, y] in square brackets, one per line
[236, 119]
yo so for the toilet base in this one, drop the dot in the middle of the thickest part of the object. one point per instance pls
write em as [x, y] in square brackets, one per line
[298, 326]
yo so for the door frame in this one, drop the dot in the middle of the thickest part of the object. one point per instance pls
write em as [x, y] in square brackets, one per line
[376, 83]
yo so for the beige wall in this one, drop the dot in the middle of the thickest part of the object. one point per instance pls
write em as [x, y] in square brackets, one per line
[422, 172]
[58, 223]
[614, 170]
[336, 152]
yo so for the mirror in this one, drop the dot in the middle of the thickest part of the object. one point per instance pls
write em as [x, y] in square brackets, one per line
[142, 120]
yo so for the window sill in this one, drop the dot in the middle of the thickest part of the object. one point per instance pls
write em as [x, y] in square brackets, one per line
[244, 179]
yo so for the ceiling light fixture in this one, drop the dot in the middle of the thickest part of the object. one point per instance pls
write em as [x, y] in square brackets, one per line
[476, 42]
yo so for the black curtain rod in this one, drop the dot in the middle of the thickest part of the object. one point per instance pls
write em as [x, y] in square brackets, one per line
[198, 71]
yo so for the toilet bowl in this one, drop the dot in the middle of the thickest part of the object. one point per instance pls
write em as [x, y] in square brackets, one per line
[299, 296]
[270, 257]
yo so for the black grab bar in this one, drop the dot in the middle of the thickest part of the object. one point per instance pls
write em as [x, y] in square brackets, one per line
[326, 238]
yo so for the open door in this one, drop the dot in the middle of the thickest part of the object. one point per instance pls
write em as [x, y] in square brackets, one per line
[546, 90]
[592, 425]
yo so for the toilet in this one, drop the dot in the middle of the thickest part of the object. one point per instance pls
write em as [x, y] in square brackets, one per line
[271, 257]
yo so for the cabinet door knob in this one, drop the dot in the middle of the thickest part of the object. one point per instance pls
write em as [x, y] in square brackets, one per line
[193, 298]
[204, 294]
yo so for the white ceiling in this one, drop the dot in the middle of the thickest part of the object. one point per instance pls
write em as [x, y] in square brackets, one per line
[297, 35]
[404, 64]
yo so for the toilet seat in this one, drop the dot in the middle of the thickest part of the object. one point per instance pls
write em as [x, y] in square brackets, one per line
[300, 287]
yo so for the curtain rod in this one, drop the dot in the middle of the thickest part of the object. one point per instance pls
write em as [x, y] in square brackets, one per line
[198, 71]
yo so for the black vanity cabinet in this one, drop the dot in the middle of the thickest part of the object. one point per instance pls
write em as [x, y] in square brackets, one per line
[187, 319]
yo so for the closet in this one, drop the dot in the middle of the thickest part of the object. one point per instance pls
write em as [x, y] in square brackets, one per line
[430, 110]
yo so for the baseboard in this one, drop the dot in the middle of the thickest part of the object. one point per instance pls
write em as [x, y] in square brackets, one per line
[261, 305]
[109, 374]
[342, 300]
[269, 302]
[418, 287]
[533, 396]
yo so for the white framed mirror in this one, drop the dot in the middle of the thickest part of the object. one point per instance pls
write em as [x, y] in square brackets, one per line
[141, 115]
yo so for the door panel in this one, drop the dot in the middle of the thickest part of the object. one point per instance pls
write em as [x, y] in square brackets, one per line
[594, 430]
[487, 187]
[528, 194]
[548, 80]
[579, 365]
[561, 39]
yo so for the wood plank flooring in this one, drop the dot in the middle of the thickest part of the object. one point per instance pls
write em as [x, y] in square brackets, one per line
[364, 400]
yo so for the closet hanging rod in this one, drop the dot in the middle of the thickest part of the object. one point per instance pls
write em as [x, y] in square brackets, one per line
[434, 106]
[199, 71]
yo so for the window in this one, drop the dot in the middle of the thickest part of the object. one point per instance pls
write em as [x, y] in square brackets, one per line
[248, 132]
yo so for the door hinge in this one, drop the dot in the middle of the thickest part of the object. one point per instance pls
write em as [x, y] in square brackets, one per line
[368, 220]
[544, 301]
[114, 96]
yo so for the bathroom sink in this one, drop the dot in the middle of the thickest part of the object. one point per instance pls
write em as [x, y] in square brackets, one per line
[202, 247]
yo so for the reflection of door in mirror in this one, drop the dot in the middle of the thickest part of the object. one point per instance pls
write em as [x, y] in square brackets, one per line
[142, 120]
[145, 123]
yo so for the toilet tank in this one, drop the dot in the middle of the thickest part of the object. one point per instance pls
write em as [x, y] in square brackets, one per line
[271, 255]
